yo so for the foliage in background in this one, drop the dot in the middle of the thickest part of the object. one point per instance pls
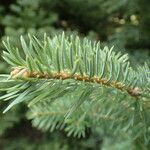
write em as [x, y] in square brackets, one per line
[28, 17]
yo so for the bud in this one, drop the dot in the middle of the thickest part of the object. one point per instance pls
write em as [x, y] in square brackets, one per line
[135, 91]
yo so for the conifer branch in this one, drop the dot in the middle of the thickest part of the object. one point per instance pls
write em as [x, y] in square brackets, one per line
[24, 73]
[76, 74]
[69, 58]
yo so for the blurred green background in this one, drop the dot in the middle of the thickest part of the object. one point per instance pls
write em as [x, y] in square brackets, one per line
[122, 23]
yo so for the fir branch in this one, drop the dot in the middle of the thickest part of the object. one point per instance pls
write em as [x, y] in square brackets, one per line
[69, 58]
[24, 73]
[52, 69]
